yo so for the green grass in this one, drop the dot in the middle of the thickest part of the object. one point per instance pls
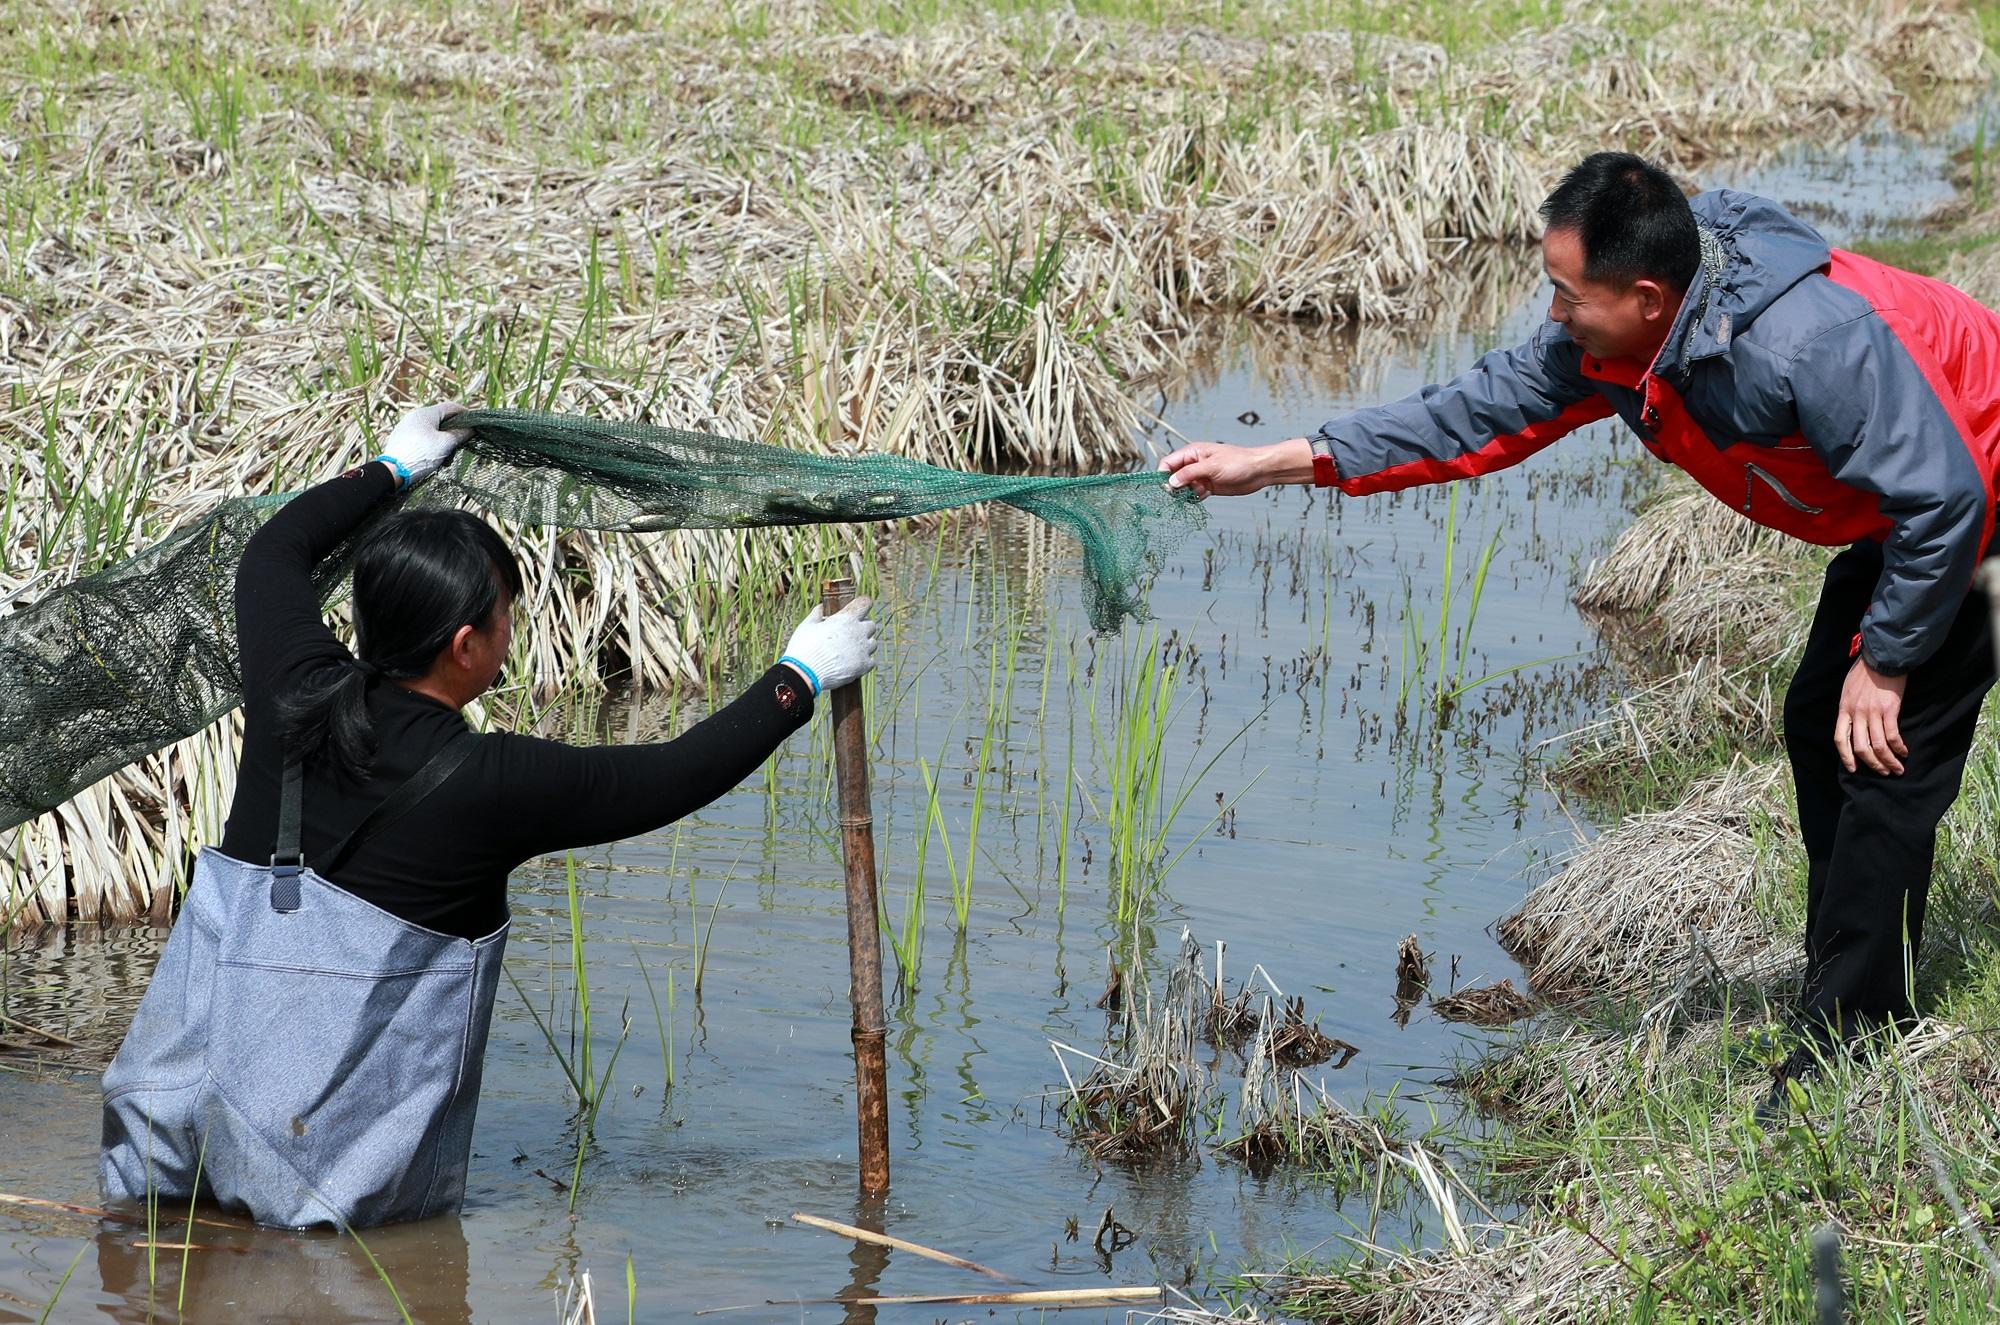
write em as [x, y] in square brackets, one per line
[1928, 252]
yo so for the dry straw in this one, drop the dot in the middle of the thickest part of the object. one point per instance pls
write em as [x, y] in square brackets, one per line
[1662, 894]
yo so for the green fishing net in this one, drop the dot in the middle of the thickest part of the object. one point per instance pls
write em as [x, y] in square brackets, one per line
[126, 661]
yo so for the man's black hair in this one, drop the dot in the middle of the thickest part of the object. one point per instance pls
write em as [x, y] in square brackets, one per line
[1632, 218]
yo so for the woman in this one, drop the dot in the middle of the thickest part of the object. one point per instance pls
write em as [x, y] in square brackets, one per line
[312, 1040]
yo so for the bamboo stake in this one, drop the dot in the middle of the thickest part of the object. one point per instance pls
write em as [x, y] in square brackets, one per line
[864, 948]
[885, 1240]
[95, 1212]
[1053, 1299]
[52, 1038]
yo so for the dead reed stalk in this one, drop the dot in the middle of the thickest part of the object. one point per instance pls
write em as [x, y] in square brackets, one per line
[1640, 907]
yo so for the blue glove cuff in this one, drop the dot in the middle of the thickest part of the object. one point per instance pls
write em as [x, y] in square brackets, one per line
[402, 470]
[810, 674]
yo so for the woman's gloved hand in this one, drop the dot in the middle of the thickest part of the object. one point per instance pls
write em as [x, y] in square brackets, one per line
[830, 651]
[418, 447]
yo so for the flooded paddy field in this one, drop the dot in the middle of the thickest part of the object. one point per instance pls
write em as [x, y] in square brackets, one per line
[1328, 805]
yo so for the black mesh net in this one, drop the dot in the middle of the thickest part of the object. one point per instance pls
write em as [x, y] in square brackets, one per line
[126, 661]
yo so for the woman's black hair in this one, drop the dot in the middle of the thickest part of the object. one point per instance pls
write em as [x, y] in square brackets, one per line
[418, 577]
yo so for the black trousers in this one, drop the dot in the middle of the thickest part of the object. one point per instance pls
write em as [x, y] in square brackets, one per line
[1870, 839]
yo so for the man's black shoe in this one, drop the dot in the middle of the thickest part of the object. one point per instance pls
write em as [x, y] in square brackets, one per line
[1802, 1064]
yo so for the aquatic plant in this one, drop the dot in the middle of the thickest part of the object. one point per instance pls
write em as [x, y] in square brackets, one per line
[576, 1061]
[664, 1021]
[1428, 649]
[61, 1284]
[1147, 1093]
[1140, 806]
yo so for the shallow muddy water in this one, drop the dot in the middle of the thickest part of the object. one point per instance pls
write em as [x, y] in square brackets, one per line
[1323, 831]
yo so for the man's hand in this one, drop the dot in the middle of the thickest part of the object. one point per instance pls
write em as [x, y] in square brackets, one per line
[1233, 471]
[1866, 727]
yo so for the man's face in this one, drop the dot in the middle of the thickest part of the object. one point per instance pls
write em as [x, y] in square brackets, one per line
[1608, 321]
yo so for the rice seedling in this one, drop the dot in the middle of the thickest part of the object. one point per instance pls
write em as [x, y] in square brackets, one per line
[576, 1083]
[579, 1027]
[61, 1284]
[1429, 649]
[665, 1023]
[933, 817]
[706, 932]
[380, 1273]
[1070, 789]
[187, 1233]
[1135, 777]
[586, 1131]
[576, 1060]
[1002, 663]
[1140, 807]
[906, 938]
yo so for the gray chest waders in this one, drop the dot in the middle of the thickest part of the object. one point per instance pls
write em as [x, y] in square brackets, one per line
[316, 1057]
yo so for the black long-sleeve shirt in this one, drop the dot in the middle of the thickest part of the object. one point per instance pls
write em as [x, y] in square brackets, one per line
[445, 865]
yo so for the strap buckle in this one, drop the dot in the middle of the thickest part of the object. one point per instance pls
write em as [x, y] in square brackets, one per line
[285, 870]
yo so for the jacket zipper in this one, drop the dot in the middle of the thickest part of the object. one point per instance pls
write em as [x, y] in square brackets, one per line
[1753, 472]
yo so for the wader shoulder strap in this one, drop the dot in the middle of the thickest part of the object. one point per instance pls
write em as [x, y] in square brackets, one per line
[286, 860]
[287, 863]
[405, 797]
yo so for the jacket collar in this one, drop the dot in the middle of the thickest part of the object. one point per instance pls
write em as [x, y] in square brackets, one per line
[1703, 327]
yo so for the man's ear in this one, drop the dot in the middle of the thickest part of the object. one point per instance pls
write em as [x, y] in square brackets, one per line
[1653, 298]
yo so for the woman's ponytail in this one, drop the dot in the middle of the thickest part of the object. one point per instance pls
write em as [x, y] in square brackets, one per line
[326, 717]
[418, 577]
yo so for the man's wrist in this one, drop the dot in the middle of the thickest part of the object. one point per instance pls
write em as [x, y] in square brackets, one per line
[1290, 461]
[1325, 473]
[1878, 671]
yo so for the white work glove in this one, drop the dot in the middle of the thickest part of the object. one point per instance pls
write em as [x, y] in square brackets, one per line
[833, 650]
[418, 447]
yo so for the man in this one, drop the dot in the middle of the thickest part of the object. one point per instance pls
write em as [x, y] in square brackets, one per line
[1819, 393]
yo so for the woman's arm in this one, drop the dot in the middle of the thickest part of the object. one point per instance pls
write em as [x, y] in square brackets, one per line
[553, 796]
[556, 797]
[279, 628]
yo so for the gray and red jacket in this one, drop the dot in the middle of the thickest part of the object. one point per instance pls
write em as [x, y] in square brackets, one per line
[1817, 392]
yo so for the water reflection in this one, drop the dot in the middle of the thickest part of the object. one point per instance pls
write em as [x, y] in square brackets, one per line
[240, 1273]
